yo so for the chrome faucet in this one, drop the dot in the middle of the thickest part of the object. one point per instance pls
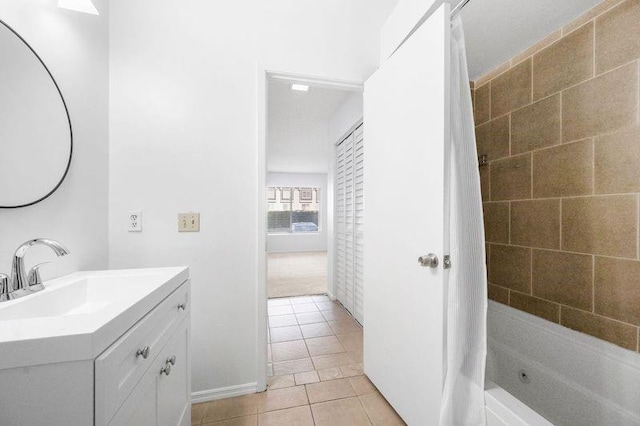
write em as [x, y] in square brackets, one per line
[21, 283]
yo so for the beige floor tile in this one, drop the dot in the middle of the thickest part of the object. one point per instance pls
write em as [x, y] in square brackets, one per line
[228, 408]
[287, 351]
[328, 361]
[328, 306]
[285, 334]
[298, 416]
[356, 356]
[280, 399]
[301, 300]
[306, 378]
[352, 370]
[310, 318]
[362, 385]
[279, 382]
[280, 310]
[324, 346]
[343, 326]
[320, 329]
[336, 315]
[304, 308]
[197, 412]
[351, 341]
[342, 412]
[332, 389]
[330, 373]
[292, 367]
[321, 298]
[281, 301]
[238, 421]
[283, 321]
[379, 410]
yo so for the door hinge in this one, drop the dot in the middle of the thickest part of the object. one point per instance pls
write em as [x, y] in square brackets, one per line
[447, 261]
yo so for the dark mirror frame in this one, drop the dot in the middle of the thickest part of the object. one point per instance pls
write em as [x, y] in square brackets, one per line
[64, 103]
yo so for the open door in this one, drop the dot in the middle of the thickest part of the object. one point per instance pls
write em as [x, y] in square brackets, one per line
[406, 108]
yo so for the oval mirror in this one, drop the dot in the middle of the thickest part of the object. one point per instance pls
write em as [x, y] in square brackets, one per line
[36, 139]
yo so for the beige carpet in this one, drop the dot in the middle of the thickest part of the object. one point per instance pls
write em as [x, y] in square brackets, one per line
[297, 274]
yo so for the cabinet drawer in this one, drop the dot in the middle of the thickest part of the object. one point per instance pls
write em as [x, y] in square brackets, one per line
[161, 397]
[122, 365]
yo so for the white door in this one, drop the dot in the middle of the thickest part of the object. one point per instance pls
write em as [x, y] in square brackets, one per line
[406, 110]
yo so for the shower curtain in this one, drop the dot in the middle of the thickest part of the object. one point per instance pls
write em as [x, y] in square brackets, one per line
[466, 303]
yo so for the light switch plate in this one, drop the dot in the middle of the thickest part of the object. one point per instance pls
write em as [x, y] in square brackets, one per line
[188, 222]
[135, 222]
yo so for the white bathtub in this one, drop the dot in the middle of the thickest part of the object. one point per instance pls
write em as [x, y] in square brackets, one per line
[503, 409]
[573, 379]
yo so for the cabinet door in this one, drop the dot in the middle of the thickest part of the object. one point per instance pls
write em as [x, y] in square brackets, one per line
[140, 408]
[174, 389]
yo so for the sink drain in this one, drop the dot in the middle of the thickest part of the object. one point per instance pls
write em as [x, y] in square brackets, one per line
[524, 377]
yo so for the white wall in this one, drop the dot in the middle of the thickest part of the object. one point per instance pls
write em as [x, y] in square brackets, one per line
[298, 146]
[291, 243]
[75, 48]
[344, 118]
[184, 138]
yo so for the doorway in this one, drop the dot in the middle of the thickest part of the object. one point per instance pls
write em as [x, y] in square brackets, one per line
[305, 122]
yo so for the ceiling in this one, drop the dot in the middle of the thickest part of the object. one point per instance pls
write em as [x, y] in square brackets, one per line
[497, 30]
[298, 134]
[315, 105]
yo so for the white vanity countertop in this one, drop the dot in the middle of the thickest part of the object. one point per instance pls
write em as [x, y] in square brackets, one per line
[79, 315]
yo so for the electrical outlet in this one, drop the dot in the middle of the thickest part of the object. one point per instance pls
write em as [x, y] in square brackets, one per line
[135, 222]
[188, 222]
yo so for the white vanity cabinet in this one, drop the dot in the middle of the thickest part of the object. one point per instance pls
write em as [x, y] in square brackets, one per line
[144, 377]
[124, 362]
[161, 397]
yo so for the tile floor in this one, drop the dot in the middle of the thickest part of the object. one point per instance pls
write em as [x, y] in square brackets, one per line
[315, 364]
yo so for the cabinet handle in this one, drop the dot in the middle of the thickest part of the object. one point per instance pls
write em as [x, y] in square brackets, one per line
[144, 352]
[182, 306]
[166, 369]
[172, 360]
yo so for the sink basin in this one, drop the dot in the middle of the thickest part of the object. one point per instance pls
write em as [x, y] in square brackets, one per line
[84, 311]
[83, 296]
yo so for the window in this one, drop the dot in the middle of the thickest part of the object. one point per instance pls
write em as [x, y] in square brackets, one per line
[293, 210]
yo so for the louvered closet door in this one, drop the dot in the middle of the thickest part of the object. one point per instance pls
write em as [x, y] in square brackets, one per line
[358, 259]
[349, 216]
[349, 191]
[340, 225]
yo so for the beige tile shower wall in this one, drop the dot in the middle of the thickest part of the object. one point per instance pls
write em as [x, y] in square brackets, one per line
[560, 126]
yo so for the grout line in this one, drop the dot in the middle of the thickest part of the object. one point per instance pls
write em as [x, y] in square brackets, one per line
[560, 315]
[570, 197]
[531, 68]
[629, 259]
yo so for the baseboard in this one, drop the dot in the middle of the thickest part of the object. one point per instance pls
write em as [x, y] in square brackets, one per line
[213, 394]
